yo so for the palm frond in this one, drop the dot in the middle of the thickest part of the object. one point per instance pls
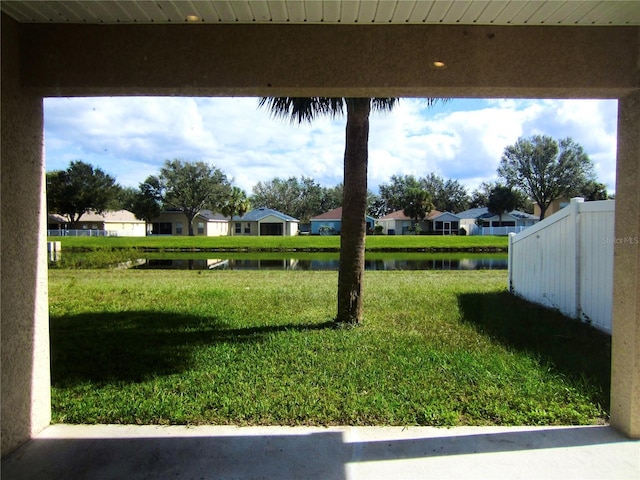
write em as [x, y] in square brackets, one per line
[307, 109]
[384, 104]
[302, 109]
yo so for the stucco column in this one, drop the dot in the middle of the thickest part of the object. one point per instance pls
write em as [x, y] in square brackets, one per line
[26, 386]
[625, 361]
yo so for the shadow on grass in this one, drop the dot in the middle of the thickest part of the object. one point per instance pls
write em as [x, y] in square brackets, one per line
[134, 346]
[571, 348]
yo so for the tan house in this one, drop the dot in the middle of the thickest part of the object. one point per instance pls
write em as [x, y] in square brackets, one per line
[206, 223]
[264, 221]
[398, 223]
[445, 223]
[555, 206]
[120, 223]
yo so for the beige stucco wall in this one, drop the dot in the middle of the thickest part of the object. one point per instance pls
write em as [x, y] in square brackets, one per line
[26, 405]
[398, 225]
[211, 229]
[175, 219]
[331, 60]
[254, 229]
[555, 206]
[292, 228]
[126, 229]
[216, 229]
[625, 361]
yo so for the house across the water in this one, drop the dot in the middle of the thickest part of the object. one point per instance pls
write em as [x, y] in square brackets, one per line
[264, 221]
[206, 224]
[330, 223]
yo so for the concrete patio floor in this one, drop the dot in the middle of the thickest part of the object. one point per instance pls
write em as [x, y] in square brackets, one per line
[76, 452]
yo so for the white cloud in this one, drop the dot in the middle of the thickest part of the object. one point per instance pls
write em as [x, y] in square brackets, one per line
[464, 139]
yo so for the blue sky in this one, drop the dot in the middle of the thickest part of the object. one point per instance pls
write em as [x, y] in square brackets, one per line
[463, 139]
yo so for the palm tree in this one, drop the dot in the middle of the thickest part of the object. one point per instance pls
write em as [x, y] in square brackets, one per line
[502, 200]
[418, 206]
[354, 203]
[236, 204]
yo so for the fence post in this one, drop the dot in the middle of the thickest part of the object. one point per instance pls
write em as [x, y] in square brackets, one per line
[574, 205]
[510, 261]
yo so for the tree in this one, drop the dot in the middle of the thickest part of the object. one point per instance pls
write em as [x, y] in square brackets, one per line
[332, 198]
[376, 206]
[354, 204]
[236, 203]
[545, 169]
[594, 190]
[502, 200]
[191, 187]
[480, 197]
[146, 204]
[301, 199]
[122, 198]
[78, 189]
[418, 205]
[447, 195]
[394, 193]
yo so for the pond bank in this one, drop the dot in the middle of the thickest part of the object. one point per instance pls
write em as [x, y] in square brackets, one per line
[293, 249]
[313, 244]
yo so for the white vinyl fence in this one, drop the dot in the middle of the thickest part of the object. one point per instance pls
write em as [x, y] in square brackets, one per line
[499, 230]
[93, 233]
[565, 262]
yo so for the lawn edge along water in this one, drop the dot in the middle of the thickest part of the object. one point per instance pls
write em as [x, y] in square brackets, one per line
[381, 243]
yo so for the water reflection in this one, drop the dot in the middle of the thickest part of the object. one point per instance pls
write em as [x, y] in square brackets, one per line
[471, 262]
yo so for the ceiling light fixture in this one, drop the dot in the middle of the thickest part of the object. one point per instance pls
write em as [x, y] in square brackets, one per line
[192, 18]
[439, 64]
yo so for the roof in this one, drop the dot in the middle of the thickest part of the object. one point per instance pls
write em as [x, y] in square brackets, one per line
[258, 214]
[442, 214]
[213, 216]
[357, 12]
[400, 215]
[483, 212]
[335, 214]
[118, 216]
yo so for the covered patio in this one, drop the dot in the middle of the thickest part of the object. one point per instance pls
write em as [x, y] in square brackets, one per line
[388, 48]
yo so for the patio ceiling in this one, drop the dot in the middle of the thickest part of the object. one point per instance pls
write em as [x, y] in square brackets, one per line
[445, 12]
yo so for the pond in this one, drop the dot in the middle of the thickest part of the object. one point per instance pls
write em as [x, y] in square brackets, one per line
[289, 261]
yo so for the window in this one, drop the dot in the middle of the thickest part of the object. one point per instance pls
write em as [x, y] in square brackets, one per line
[247, 229]
[200, 228]
[238, 228]
[178, 228]
[161, 228]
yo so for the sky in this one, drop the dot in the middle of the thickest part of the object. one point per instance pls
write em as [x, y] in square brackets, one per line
[463, 139]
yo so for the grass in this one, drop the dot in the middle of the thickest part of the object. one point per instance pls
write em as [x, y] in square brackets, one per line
[301, 242]
[437, 348]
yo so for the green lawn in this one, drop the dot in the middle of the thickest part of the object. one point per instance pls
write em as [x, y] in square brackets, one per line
[301, 242]
[437, 348]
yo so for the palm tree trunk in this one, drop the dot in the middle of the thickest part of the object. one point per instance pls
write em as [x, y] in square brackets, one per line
[354, 206]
